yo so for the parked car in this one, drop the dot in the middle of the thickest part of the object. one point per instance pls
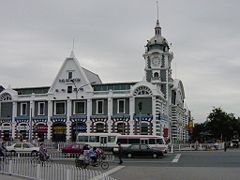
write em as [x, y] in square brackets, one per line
[76, 148]
[144, 150]
[23, 147]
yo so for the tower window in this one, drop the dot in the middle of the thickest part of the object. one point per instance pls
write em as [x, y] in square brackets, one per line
[69, 89]
[70, 75]
[156, 75]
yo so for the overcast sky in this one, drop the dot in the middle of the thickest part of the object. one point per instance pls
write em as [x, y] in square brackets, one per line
[36, 37]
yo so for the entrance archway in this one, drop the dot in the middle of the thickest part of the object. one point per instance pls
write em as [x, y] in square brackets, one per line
[121, 128]
[59, 132]
[6, 132]
[144, 128]
[41, 131]
[23, 131]
[78, 127]
[100, 128]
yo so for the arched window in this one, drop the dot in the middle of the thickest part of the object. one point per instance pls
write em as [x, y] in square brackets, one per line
[121, 128]
[5, 97]
[142, 90]
[144, 128]
[156, 75]
[99, 127]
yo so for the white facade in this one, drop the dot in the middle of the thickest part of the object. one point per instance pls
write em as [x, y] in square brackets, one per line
[78, 101]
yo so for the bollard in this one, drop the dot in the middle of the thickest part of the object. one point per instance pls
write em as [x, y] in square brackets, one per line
[58, 147]
[172, 148]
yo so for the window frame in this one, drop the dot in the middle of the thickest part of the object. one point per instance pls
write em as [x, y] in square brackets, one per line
[118, 105]
[55, 107]
[21, 112]
[74, 107]
[98, 101]
[39, 109]
[70, 72]
[69, 89]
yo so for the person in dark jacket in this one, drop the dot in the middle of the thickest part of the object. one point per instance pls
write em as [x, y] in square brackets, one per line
[120, 152]
[3, 149]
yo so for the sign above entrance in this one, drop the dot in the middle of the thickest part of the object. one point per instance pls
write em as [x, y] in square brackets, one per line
[5, 128]
[80, 127]
[23, 128]
[69, 80]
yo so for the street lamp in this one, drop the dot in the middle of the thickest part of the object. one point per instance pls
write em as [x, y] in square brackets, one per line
[76, 91]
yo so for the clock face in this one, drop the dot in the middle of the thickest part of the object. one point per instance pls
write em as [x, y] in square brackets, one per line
[156, 61]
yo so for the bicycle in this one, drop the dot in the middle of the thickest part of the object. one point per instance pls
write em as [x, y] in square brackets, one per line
[84, 162]
[41, 160]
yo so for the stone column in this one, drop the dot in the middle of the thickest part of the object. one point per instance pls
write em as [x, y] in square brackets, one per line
[131, 113]
[31, 114]
[154, 115]
[110, 112]
[49, 122]
[89, 113]
[14, 114]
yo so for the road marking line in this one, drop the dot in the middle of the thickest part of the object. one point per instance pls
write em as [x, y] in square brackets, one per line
[111, 171]
[176, 159]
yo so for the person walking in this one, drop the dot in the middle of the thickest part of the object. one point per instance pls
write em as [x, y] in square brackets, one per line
[120, 153]
[225, 146]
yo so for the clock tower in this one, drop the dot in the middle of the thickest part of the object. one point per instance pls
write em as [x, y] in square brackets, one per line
[158, 60]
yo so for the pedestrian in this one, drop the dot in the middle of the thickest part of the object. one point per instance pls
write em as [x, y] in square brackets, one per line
[120, 151]
[225, 146]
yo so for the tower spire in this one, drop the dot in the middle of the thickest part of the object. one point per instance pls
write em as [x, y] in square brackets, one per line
[157, 28]
[72, 52]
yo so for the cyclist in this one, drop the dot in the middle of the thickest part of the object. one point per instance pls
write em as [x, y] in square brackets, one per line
[3, 150]
[43, 153]
[93, 154]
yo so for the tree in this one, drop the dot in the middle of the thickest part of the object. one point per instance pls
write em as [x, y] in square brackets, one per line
[219, 125]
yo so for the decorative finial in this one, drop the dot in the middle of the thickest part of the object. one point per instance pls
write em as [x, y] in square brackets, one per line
[157, 10]
[72, 55]
[73, 44]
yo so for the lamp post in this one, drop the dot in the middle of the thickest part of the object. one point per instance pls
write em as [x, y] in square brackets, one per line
[76, 91]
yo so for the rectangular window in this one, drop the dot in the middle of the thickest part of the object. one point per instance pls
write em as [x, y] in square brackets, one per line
[23, 109]
[152, 141]
[41, 108]
[99, 107]
[69, 89]
[111, 139]
[93, 138]
[59, 108]
[79, 107]
[121, 106]
[83, 138]
[134, 141]
[70, 75]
